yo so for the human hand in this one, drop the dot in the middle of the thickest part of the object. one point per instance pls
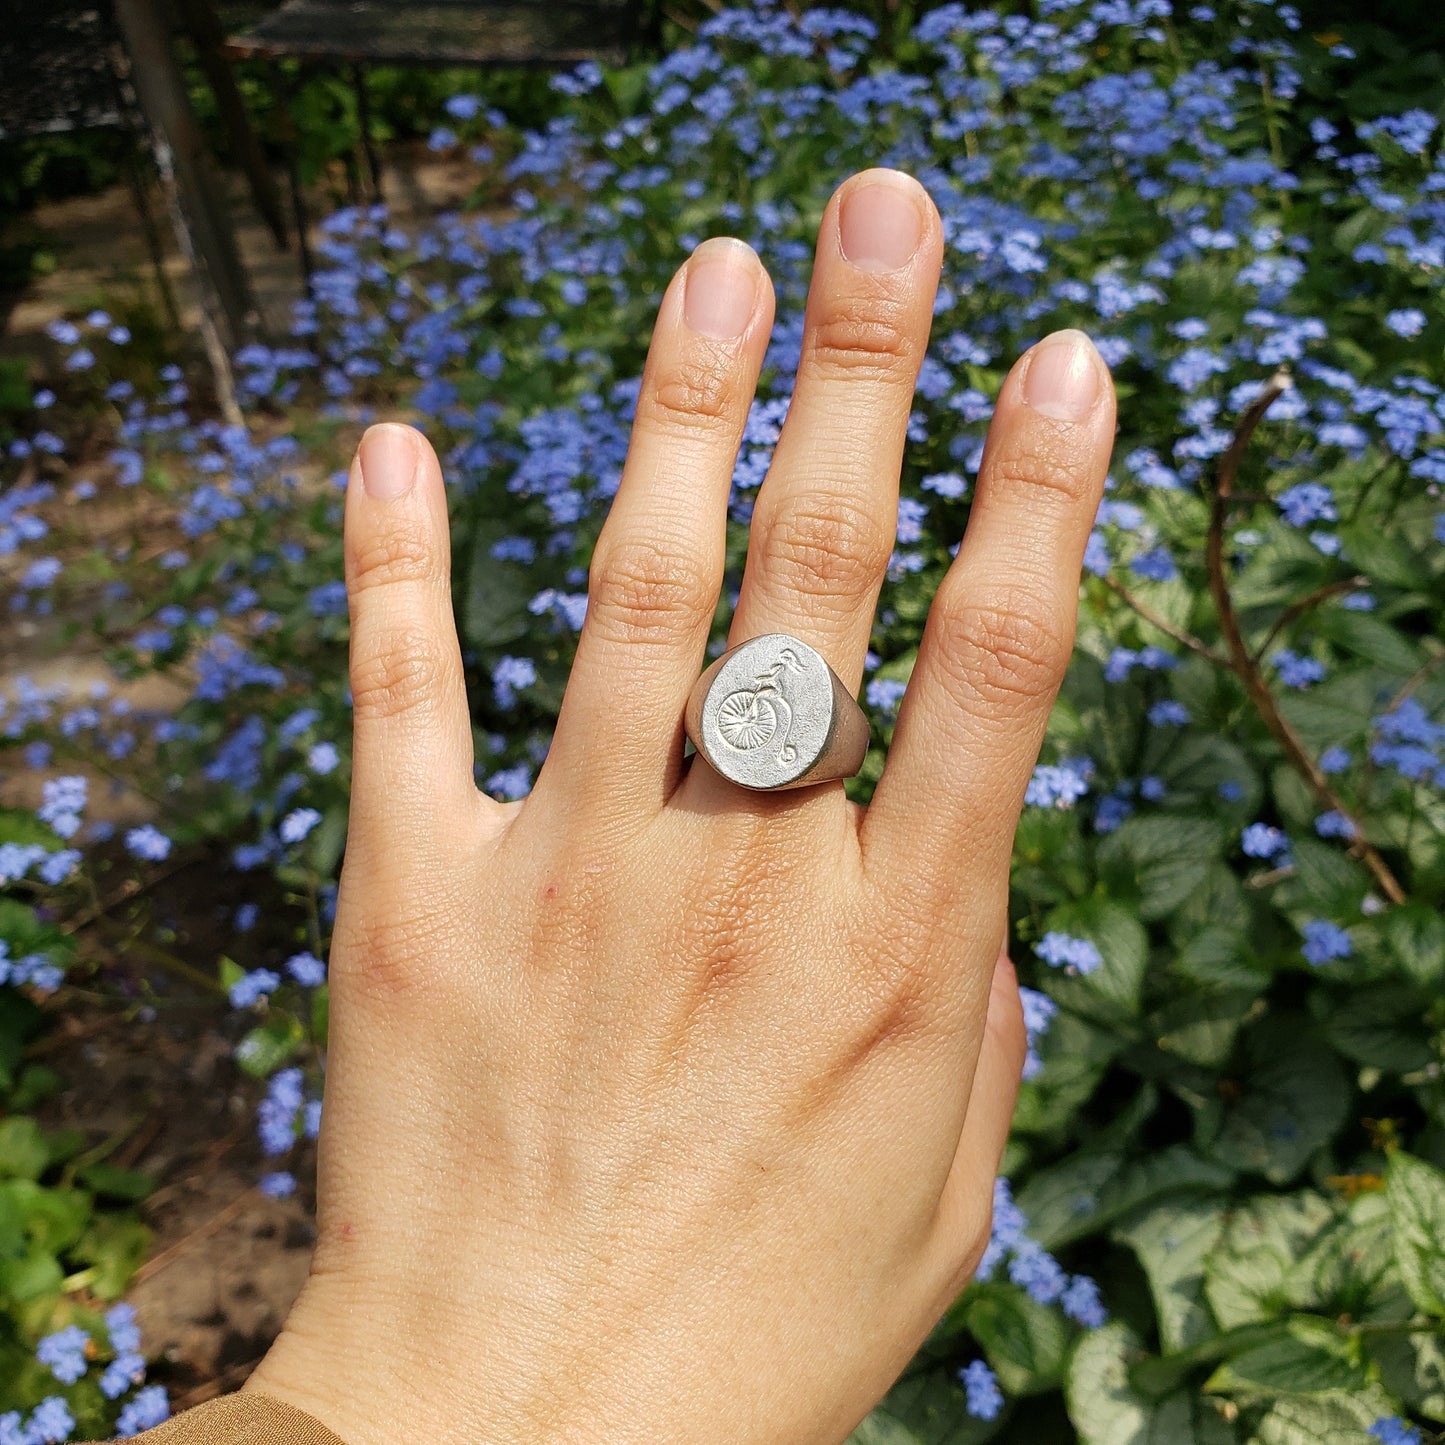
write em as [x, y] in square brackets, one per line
[656, 1109]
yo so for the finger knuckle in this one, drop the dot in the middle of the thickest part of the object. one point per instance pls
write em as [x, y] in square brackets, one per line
[392, 958]
[691, 396]
[1028, 469]
[403, 670]
[391, 558]
[639, 589]
[1007, 651]
[868, 340]
[825, 548]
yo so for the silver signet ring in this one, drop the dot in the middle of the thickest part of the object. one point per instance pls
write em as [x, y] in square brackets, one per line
[770, 714]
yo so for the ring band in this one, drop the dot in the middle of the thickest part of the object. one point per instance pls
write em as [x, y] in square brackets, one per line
[771, 714]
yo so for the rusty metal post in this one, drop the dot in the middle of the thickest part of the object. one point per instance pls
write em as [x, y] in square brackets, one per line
[201, 24]
[158, 83]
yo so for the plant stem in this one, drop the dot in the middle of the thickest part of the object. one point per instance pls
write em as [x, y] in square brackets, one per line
[1168, 628]
[1298, 609]
[169, 961]
[1407, 1327]
[1414, 680]
[131, 889]
[1245, 664]
[1271, 120]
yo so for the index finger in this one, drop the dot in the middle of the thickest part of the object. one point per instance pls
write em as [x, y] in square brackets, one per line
[999, 634]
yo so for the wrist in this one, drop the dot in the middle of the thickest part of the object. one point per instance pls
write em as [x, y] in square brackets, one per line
[378, 1369]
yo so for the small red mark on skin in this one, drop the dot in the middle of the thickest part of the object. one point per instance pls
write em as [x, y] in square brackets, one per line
[550, 891]
[347, 1230]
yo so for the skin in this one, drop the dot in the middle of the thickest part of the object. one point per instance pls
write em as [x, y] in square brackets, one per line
[656, 1109]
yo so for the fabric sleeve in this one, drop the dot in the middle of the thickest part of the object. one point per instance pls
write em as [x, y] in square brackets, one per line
[240, 1419]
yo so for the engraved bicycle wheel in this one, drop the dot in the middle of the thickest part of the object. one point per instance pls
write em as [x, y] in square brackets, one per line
[746, 720]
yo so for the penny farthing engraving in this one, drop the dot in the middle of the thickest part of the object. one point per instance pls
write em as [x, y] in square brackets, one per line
[746, 720]
[767, 712]
[755, 716]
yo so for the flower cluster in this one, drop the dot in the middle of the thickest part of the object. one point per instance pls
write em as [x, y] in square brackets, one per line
[68, 1355]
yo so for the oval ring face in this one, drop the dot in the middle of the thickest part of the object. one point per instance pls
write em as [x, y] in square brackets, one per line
[768, 714]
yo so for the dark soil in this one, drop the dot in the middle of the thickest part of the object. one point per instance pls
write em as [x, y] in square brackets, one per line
[226, 1261]
[146, 1059]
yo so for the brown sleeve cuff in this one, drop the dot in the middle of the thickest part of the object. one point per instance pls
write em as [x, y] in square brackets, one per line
[241, 1419]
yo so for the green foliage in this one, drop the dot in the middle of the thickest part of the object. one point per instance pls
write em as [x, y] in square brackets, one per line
[70, 1239]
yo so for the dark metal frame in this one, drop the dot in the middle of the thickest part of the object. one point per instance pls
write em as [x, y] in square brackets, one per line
[619, 28]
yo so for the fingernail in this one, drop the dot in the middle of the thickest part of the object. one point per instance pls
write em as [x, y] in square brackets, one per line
[720, 290]
[1061, 379]
[387, 457]
[880, 223]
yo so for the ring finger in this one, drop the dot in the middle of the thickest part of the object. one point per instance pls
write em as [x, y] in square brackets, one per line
[825, 520]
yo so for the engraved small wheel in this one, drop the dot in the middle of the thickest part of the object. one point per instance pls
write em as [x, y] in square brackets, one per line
[746, 720]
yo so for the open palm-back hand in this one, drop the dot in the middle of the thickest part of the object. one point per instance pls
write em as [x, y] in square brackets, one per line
[658, 1109]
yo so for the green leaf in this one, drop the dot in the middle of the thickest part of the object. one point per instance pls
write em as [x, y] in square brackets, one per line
[52, 1218]
[1338, 709]
[18, 825]
[115, 1246]
[1105, 1409]
[1168, 857]
[1201, 1029]
[627, 86]
[1196, 764]
[35, 1084]
[1415, 936]
[1369, 637]
[23, 1150]
[1412, 1368]
[1383, 557]
[881, 1428]
[1216, 957]
[1084, 1192]
[1307, 1357]
[1293, 1098]
[1350, 1269]
[1025, 1342]
[1330, 880]
[1415, 1193]
[127, 1184]
[1382, 1028]
[19, 926]
[20, 1021]
[1172, 1239]
[1245, 1274]
[267, 1047]
[1323, 1419]
[326, 843]
[30, 1276]
[926, 1407]
[493, 610]
[1075, 1055]
[1121, 941]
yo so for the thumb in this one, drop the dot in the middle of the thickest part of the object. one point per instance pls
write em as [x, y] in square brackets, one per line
[965, 1208]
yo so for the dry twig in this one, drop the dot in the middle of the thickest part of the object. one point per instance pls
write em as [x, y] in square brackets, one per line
[1246, 664]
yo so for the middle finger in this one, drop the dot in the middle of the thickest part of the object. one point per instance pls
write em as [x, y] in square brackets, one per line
[825, 520]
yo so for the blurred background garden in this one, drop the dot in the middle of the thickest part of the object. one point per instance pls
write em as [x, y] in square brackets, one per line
[230, 236]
